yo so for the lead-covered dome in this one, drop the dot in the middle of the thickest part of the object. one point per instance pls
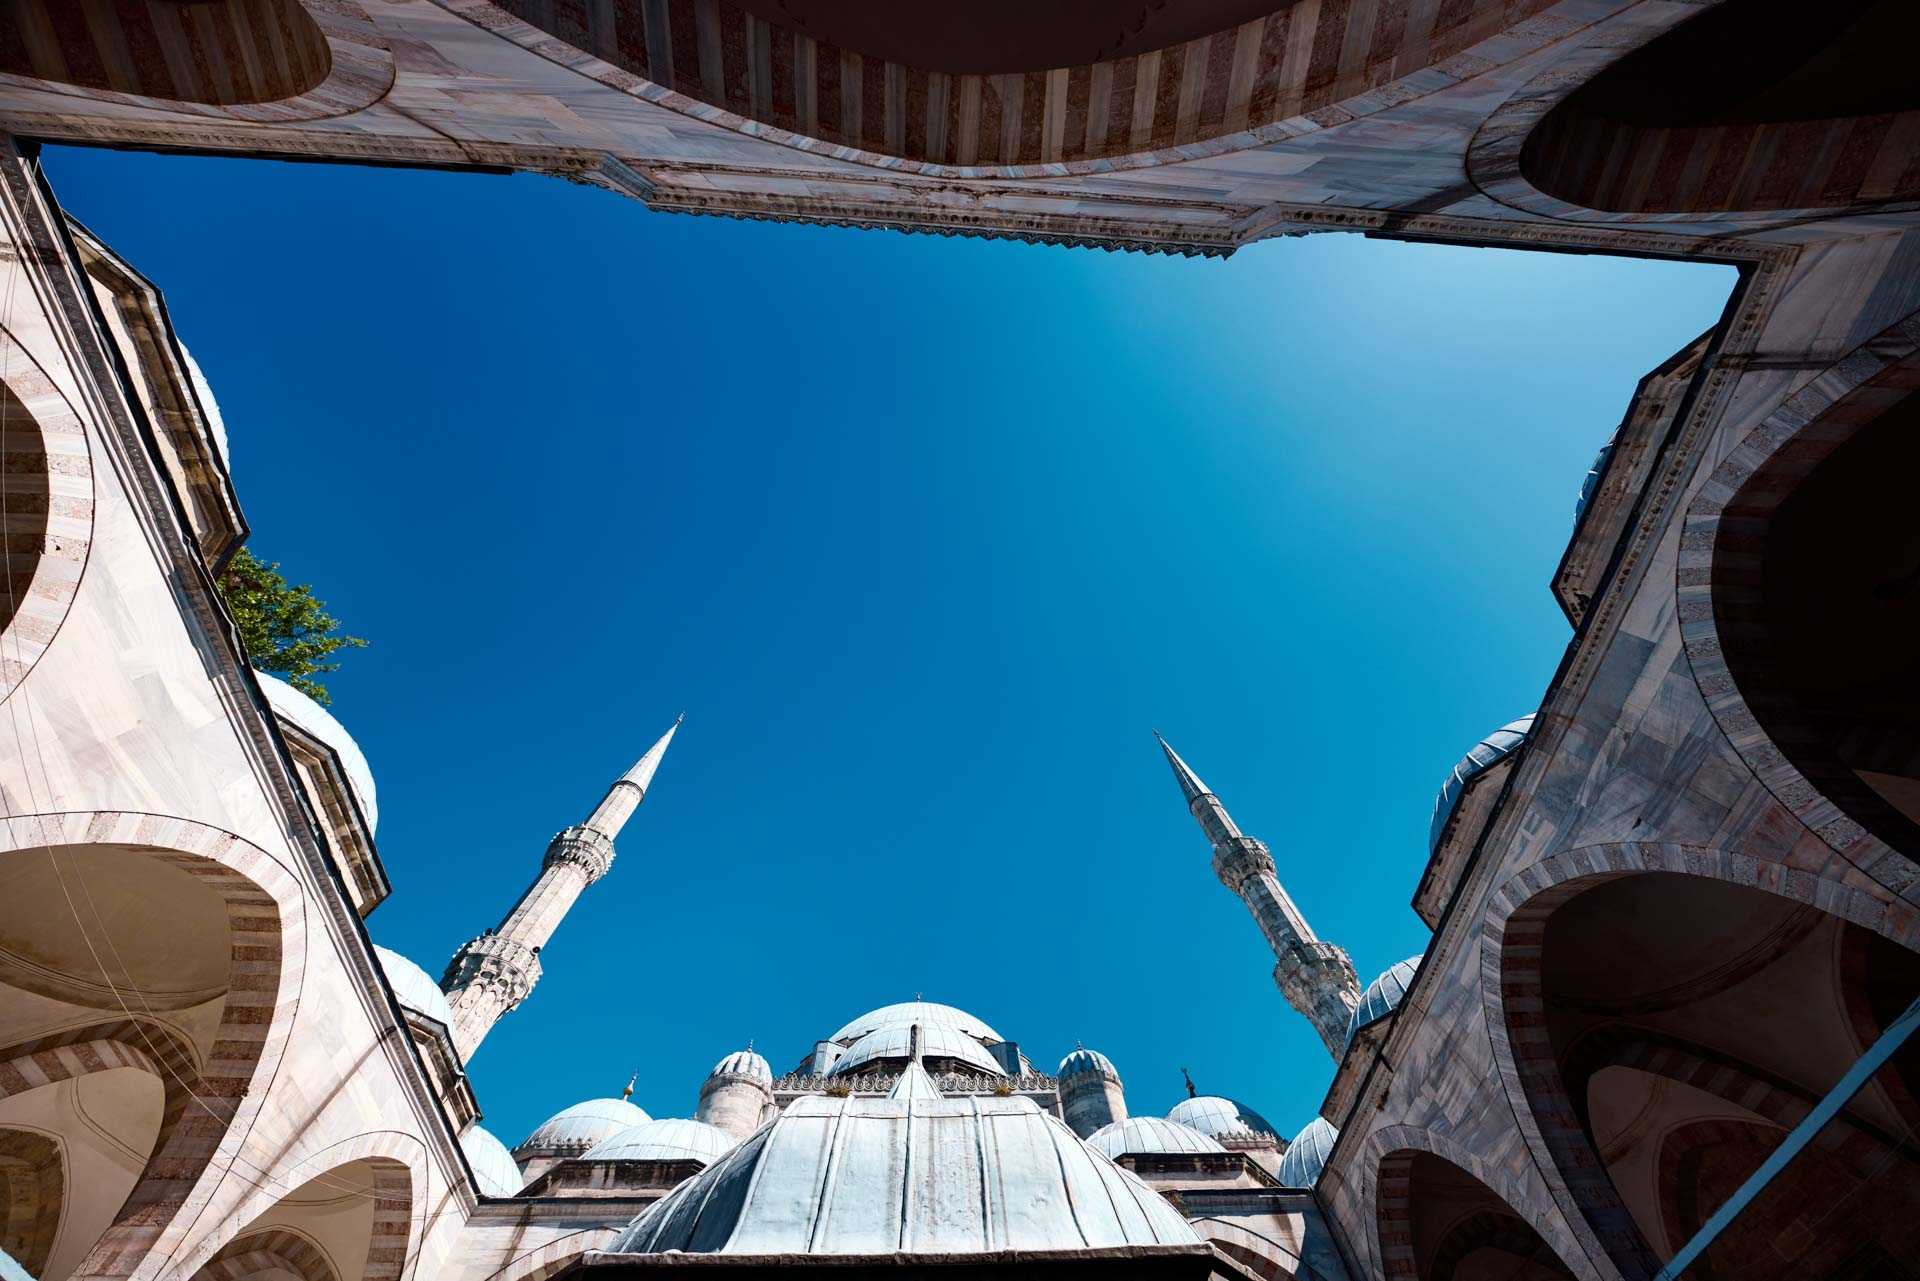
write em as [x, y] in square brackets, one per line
[925, 1013]
[912, 1175]
[573, 1130]
[1149, 1134]
[744, 1063]
[896, 1042]
[1487, 753]
[413, 987]
[664, 1140]
[1220, 1118]
[318, 723]
[1083, 1062]
[1306, 1156]
[493, 1166]
[1383, 995]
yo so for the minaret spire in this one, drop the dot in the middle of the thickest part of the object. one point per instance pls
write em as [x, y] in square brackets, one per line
[1317, 978]
[493, 973]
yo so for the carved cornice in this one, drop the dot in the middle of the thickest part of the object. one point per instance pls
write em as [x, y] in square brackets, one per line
[795, 1084]
[586, 848]
[1239, 859]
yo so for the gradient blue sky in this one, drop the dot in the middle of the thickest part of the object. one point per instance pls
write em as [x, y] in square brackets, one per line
[926, 536]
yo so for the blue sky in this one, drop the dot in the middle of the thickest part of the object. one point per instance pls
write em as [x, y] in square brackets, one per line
[926, 536]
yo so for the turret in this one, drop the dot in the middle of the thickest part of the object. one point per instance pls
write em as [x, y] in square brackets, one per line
[737, 1094]
[1317, 978]
[1091, 1093]
[490, 975]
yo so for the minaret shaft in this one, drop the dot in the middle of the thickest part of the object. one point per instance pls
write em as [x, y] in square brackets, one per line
[1317, 978]
[490, 975]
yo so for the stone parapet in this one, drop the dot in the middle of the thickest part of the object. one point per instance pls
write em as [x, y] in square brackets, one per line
[1239, 859]
[583, 847]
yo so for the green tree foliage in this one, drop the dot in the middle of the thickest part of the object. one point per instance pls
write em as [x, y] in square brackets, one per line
[286, 629]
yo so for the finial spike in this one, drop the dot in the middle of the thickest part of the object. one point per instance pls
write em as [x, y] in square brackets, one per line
[1188, 1078]
[627, 1093]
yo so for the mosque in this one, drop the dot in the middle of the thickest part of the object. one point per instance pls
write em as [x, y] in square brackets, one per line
[1663, 1025]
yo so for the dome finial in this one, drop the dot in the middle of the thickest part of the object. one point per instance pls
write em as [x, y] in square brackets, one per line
[1188, 1078]
[627, 1093]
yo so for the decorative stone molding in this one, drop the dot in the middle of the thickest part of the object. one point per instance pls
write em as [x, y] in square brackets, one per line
[1318, 980]
[586, 848]
[795, 1084]
[502, 968]
[1241, 858]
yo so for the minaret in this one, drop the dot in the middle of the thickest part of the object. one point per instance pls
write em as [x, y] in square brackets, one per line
[492, 974]
[1316, 978]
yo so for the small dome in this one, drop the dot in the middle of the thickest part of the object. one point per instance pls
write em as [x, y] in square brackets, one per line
[1222, 1118]
[665, 1140]
[1149, 1134]
[317, 722]
[925, 1013]
[912, 1175]
[575, 1129]
[493, 1167]
[1383, 995]
[896, 1042]
[208, 405]
[1487, 753]
[412, 987]
[1592, 481]
[744, 1063]
[1307, 1155]
[1083, 1061]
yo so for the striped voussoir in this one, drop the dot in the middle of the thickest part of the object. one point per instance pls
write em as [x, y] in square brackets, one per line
[277, 1249]
[1721, 591]
[1388, 1157]
[46, 476]
[1317, 63]
[550, 1259]
[34, 1188]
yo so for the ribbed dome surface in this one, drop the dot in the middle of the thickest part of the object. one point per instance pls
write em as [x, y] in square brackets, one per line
[493, 1166]
[1383, 995]
[575, 1129]
[918, 1175]
[317, 722]
[1307, 1155]
[412, 986]
[744, 1063]
[1149, 1134]
[664, 1140]
[1083, 1061]
[1222, 1118]
[1487, 753]
[907, 1013]
[895, 1042]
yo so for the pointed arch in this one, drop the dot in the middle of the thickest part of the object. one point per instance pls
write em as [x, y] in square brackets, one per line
[1539, 1048]
[279, 1250]
[32, 1196]
[550, 1259]
[48, 513]
[213, 1096]
[1438, 1221]
[397, 1164]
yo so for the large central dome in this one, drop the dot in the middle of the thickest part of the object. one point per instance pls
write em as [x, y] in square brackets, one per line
[908, 1013]
[914, 1174]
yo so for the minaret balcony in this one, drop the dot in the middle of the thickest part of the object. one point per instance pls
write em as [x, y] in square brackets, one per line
[583, 847]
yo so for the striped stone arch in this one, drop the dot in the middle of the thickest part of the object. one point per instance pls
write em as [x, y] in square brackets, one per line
[550, 1259]
[1529, 156]
[212, 1104]
[1719, 571]
[398, 1163]
[1257, 1253]
[32, 1190]
[1386, 1162]
[323, 58]
[279, 1249]
[1301, 67]
[46, 510]
[1512, 948]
